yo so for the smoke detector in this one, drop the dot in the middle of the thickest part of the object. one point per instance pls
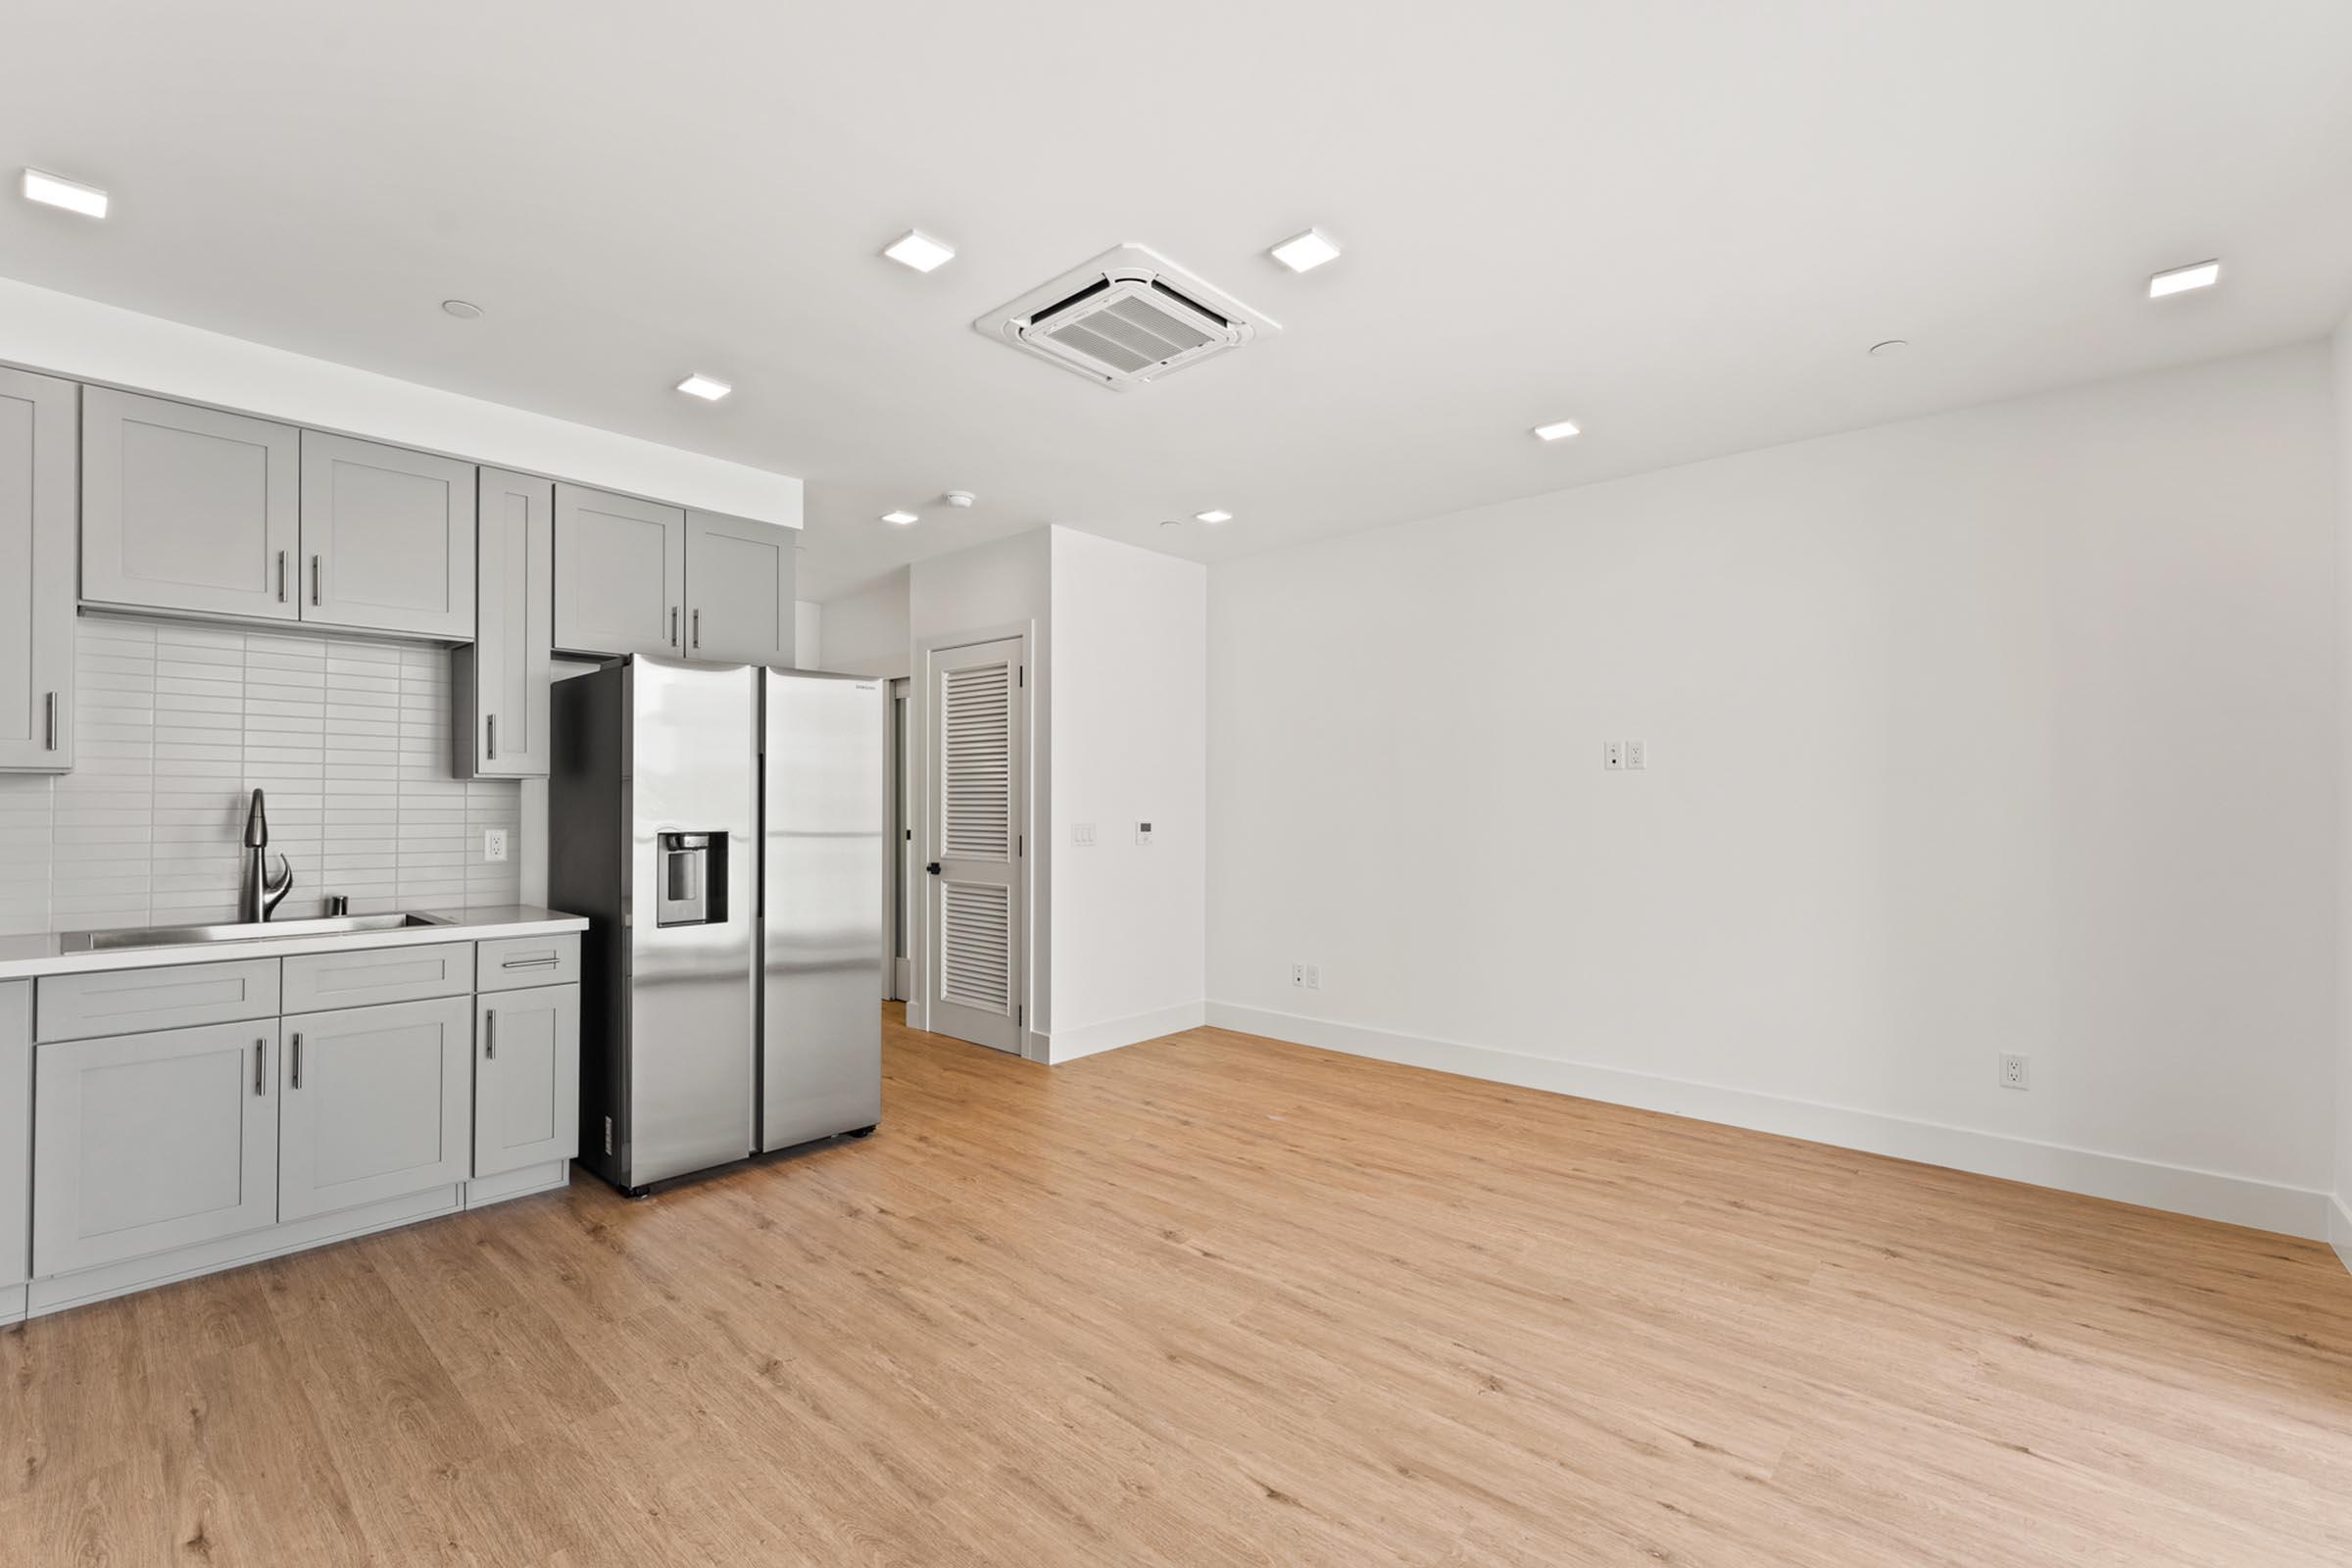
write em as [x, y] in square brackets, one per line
[1128, 317]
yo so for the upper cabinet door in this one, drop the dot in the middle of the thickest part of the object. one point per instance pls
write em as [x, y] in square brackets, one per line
[499, 685]
[185, 508]
[738, 577]
[36, 573]
[620, 573]
[387, 538]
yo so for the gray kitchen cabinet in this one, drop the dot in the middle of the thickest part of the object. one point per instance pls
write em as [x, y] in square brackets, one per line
[314, 982]
[178, 996]
[16, 1139]
[387, 538]
[526, 1078]
[146, 1142]
[498, 683]
[738, 585]
[185, 508]
[374, 1105]
[620, 573]
[38, 509]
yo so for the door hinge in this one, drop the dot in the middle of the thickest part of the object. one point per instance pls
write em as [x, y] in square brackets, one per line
[607, 1134]
[1021, 1015]
[1021, 674]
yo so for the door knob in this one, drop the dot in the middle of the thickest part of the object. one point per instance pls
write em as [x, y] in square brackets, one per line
[933, 869]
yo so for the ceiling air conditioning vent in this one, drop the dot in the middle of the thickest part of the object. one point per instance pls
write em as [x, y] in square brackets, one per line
[1126, 317]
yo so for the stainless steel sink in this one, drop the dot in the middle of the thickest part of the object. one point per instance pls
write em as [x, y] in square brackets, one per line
[178, 936]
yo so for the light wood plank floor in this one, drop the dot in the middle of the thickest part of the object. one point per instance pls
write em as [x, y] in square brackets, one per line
[1219, 1301]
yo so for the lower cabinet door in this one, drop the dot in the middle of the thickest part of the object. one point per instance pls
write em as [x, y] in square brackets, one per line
[376, 1103]
[143, 1142]
[526, 1078]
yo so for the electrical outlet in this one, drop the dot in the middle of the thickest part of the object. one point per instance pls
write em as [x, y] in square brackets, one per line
[1612, 754]
[494, 843]
[1298, 975]
[1637, 755]
[2013, 1071]
[1314, 978]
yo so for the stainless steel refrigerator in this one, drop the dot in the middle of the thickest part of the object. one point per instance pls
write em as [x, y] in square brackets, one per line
[722, 826]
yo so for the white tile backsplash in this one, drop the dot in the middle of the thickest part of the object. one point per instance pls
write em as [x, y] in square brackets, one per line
[176, 724]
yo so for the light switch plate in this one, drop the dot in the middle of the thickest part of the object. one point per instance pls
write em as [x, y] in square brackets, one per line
[1081, 834]
[1143, 833]
[494, 843]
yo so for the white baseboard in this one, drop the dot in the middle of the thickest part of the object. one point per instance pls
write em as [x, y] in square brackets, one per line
[1068, 1045]
[2339, 1227]
[2180, 1188]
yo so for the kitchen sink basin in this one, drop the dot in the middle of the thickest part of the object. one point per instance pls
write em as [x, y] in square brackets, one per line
[178, 936]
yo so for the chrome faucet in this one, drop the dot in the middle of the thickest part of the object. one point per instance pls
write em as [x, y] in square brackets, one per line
[258, 897]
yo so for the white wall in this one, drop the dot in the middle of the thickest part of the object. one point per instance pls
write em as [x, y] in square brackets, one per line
[1130, 739]
[866, 631]
[81, 339]
[2340, 1211]
[808, 635]
[2009, 729]
[989, 589]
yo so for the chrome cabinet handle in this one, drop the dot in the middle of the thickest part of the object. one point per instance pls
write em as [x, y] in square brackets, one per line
[697, 626]
[494, 737]
[673, 626]
[258, 1045]
[490, 1035]
[281, 576]
[52, 714]
[298, 1061]
[314, 579]
[548, 962]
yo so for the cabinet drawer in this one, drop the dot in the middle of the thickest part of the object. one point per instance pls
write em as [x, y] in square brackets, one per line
[120, 1001]
[512, 962]
[316, 980]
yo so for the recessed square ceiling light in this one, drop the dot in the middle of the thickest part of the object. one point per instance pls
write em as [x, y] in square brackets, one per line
[1304, 252]
[901, 519]
[703, 386]
[1560, 431]
[1215, 514]
[2181, 279]
[920, 251]
[87, 200]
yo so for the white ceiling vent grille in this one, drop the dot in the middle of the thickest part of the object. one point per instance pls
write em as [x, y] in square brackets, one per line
[1126, 317]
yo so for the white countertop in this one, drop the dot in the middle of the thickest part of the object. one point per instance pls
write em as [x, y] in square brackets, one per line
[25, 957]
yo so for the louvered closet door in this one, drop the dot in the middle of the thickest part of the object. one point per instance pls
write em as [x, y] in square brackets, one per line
[973, 959]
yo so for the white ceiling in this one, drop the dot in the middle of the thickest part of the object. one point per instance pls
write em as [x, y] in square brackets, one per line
[1678, 223]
